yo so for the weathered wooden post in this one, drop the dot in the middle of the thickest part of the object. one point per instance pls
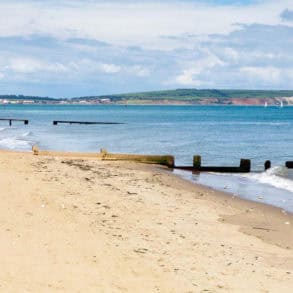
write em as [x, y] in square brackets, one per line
[10, 122]
[197, 162]
[267, 165]
[170, 161]
[35, 150]
[103, 153]
[165, 160]
[245, 165]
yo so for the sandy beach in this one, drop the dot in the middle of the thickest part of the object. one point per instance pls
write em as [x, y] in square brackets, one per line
[85, 225]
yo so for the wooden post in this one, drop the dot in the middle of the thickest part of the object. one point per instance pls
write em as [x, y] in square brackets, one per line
[103, 153]
[267, 165]
[245, 165]
[170, 161]
[10, 122]
[56, 122]
[35, 150]
[196, 162]
[165, 160]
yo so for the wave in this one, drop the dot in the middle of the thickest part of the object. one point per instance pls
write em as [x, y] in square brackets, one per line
[275, 177]
[242, 123]
[7, 128]
[28, 133]
[14, 143]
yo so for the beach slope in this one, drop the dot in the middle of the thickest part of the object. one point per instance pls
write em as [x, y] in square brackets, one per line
[84, 225]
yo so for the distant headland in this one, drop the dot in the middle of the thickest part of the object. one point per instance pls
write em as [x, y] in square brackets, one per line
[168, 97]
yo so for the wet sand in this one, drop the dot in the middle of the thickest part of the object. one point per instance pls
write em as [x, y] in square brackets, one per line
[85, 225]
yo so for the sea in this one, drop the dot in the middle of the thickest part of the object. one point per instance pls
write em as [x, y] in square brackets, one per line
[222, 135]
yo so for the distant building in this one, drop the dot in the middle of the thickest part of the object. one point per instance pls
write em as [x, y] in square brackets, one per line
[105, 101]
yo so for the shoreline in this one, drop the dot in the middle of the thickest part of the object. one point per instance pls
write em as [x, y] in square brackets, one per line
[255, 191]
[238, 203]
[96, 156]
[149, 104]
[82, 224]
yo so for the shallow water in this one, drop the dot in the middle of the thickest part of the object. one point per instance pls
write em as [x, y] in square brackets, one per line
[246, 186]
[220, 134]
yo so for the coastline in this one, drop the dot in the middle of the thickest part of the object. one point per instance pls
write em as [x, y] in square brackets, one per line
[243, 207]
[150, 103]
[84, 224]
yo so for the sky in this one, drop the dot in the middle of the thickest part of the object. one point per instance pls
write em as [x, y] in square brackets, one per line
[75, 48]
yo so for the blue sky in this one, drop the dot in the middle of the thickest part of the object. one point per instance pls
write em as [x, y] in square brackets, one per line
[75, 48]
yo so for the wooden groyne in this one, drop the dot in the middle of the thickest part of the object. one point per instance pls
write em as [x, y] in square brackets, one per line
[167, 160]
[244, 167]
[56, 122]
[267, 165]
[25, 121]
[105, 156]
[37, 152]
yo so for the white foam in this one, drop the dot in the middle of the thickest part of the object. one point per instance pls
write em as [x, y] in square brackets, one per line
[15, 143]
[274, 177]
[28, 133]
[278, 170]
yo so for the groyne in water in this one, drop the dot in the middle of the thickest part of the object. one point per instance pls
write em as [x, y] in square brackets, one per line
[25, 121]
[165, 160]
[56, 122]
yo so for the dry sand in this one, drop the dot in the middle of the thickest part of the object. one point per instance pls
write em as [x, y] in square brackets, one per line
[84, 225]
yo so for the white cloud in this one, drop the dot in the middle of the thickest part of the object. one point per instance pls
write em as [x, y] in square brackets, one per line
[110, 68]
[190, 75]
[90, 45]
[231, 54]
[138, 70]
[266, 74]
[187, 78]
[132, 23]
[134, 70]
[28, 65]
[32, 65]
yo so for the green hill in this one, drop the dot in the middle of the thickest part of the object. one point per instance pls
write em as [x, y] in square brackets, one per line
[195, 94]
